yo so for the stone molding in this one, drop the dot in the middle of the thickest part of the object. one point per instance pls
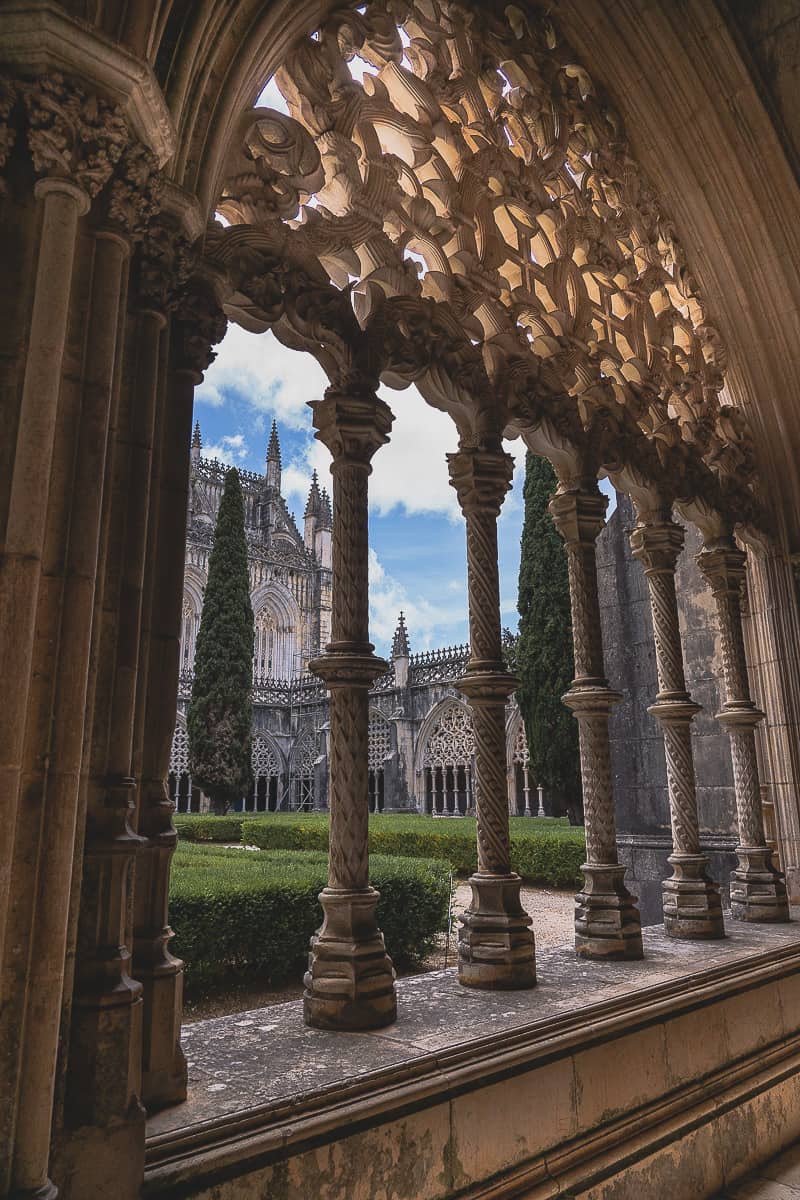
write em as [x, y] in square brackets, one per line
[37, 37]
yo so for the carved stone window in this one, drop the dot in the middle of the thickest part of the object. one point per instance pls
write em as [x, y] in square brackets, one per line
[265, 796]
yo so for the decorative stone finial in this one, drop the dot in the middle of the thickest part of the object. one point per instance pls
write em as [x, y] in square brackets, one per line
[325, 513]
[400, 648]
[314, 502]
[197, 442]
[274, 460]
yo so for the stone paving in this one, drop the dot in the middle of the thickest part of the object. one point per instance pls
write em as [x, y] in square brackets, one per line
[268, 1057]
[779, 1179]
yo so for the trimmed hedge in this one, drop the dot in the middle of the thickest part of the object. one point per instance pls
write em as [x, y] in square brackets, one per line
[239, 914]
[542, 851]
[209, 828]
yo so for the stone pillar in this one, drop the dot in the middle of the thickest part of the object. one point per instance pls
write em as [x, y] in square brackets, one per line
[758, 892]
[607, 923]
[350, 980]
[196, 325]
[496, 947]
[103, 1114]
[691, 899]
[63, 202]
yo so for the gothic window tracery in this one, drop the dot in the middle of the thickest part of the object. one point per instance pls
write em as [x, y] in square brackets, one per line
[379, 749]
[447, 762]
[265, 794]
[273, 647]
[183, 795]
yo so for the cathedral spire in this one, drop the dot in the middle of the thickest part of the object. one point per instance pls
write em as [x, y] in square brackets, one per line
[400, 648]
[274, 460]
[197, 442]
[325, 514]
[314, 502]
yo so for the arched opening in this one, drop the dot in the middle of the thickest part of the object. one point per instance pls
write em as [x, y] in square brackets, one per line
[447, 757]
[380, 746]
[265, 792]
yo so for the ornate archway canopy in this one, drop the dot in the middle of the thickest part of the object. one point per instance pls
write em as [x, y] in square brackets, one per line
[452, 202]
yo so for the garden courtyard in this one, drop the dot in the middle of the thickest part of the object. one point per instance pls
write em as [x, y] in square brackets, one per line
[243, 897]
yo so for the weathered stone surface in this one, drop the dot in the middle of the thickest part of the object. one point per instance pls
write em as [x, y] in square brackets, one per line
[515, 1082]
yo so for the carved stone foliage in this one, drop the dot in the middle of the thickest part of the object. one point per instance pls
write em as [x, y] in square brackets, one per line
[467, 189]
[72, 134]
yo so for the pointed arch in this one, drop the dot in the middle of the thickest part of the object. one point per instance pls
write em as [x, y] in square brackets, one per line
[278, 632]
[444, 759]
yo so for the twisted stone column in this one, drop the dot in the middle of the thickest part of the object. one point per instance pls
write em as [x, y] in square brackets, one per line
[758, 892]
[350, 979]
[607, 922]
[495, 948]
[691, 900]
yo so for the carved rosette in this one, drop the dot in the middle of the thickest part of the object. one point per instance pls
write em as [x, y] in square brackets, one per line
[692, 907]
[350, 979]
[758, 892]
[607, 922]
[496, 948]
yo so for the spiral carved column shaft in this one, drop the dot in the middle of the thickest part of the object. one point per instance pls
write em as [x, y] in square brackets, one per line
[607, 922]
[496, 947]
[758, 892]
[691, 900]
[350, 979]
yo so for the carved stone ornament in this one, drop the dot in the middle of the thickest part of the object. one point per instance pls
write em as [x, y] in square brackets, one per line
[198, 324]
[72, 134]
[472, 194]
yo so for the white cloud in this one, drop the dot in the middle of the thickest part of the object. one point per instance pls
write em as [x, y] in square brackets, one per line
[408, 474]
[387, 597]
[230, 449]
[272, 97]
[267, 375]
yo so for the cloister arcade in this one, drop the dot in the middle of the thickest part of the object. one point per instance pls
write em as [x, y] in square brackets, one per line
[453, 201]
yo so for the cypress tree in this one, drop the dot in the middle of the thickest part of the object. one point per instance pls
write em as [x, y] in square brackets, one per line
[544, 659]
[220, 715]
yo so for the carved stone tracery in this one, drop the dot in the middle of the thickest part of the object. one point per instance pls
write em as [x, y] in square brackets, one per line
[469, 194]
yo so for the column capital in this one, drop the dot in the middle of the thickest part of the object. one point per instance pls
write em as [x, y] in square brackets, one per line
[658, 546]
[579, 514]
[724, 566]
[71, 133]
[481, 479]
[352, 422]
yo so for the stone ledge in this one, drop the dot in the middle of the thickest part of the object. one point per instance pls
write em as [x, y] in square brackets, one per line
[591, 1070]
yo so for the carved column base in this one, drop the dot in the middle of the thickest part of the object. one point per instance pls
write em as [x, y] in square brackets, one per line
[691, 900]
[350, 978]
[164, 1071]
[495, 942]
[758, 892]
[607, 921]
